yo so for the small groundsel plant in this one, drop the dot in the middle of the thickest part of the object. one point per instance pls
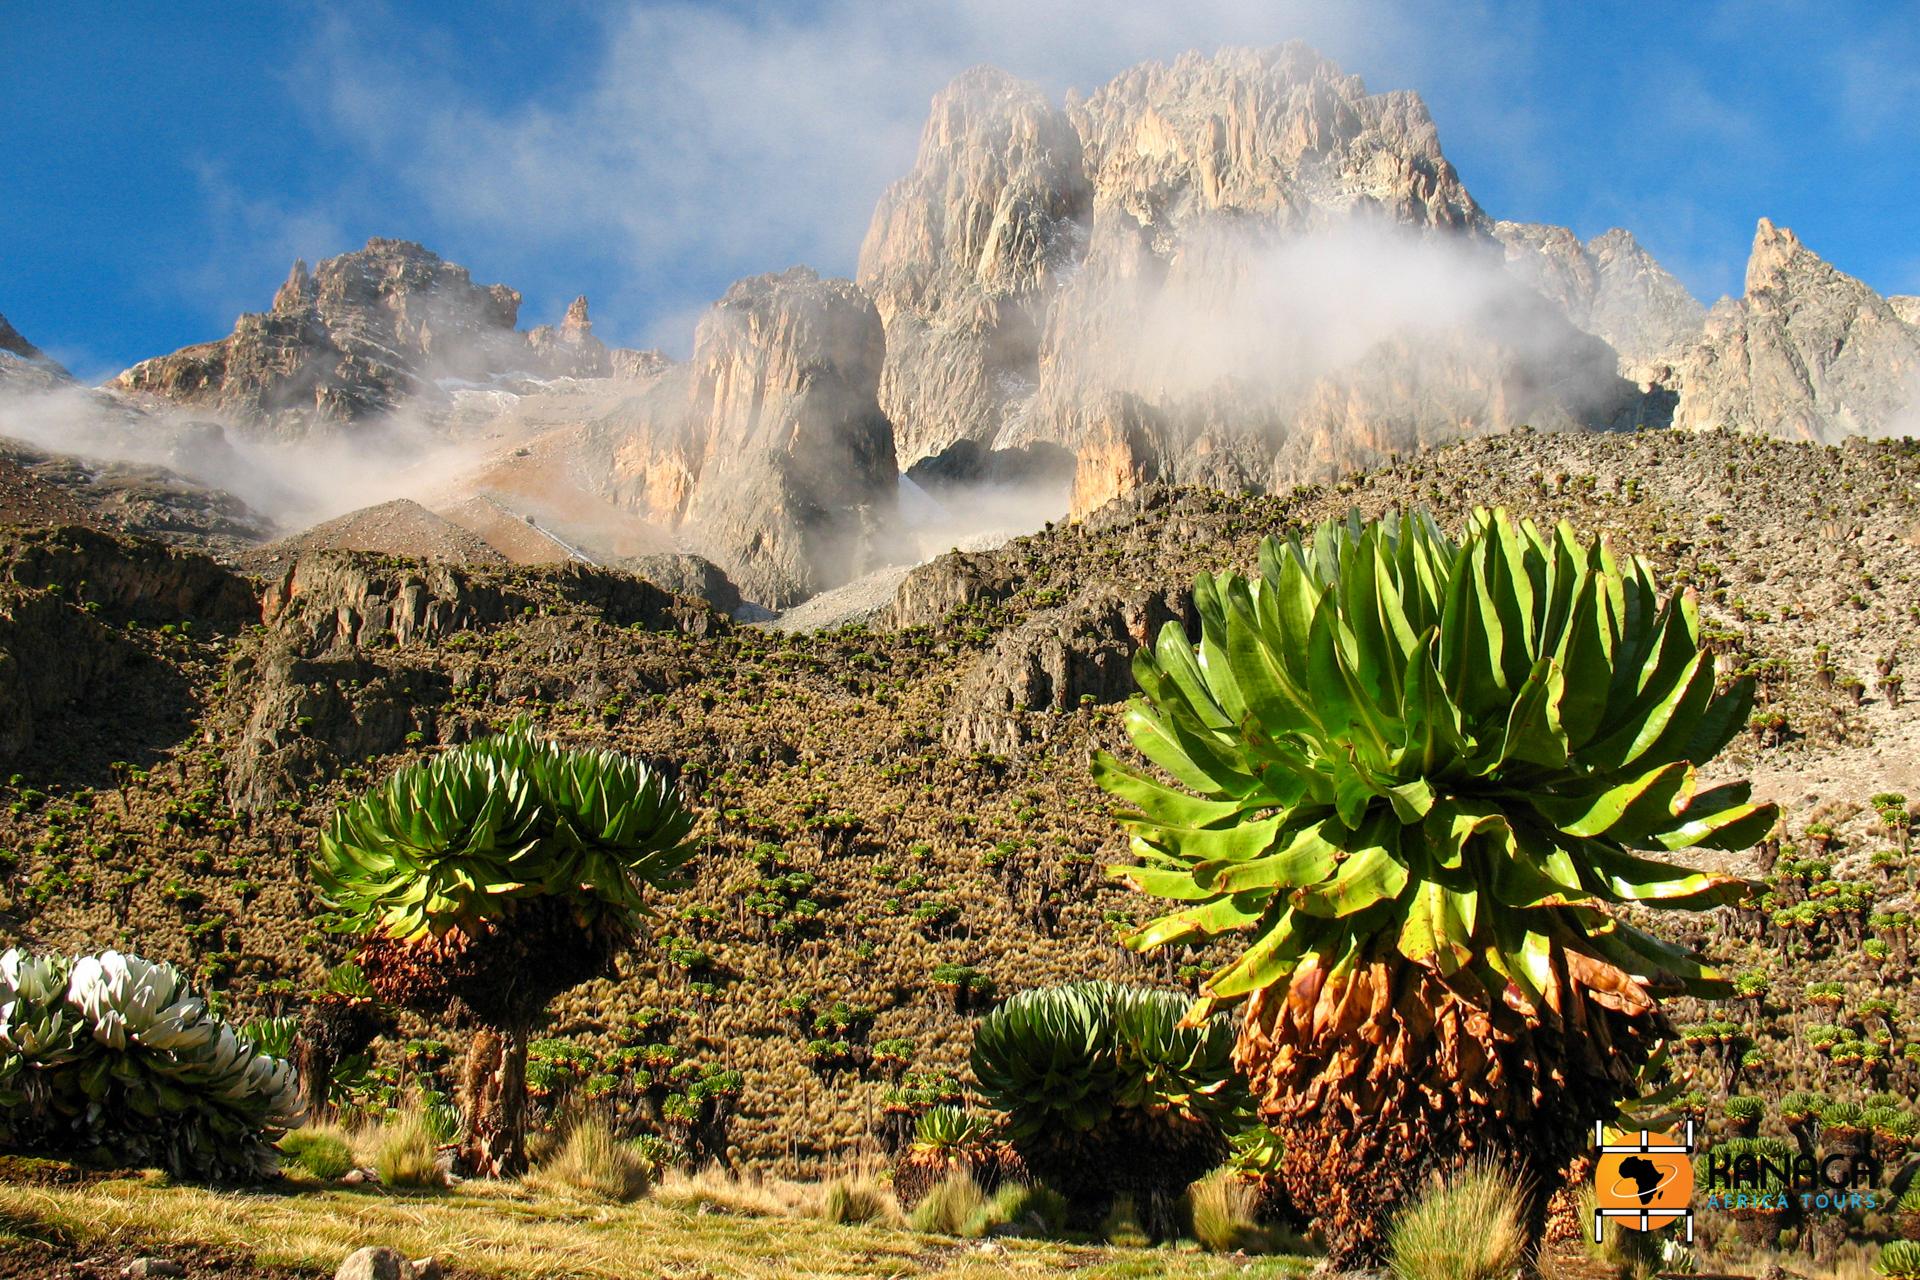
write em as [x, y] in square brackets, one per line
[1108, 1092]
[1900, 1260]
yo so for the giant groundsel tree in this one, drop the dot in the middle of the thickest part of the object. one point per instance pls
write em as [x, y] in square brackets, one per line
[496, 876]
[1410, 772]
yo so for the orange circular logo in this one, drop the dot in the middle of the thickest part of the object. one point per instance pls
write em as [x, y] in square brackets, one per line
[1645, 1181]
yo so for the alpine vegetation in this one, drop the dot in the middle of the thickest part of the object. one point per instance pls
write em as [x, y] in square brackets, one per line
[1411, 770]
[111, 1057]
[496, 876]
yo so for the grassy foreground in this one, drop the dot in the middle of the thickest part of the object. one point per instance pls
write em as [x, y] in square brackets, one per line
[509, 1231]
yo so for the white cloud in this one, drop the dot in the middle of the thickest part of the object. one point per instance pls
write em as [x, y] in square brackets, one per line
[702, 144]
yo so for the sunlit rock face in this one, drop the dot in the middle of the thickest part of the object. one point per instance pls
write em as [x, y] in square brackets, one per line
[963, 254]
[768, 450]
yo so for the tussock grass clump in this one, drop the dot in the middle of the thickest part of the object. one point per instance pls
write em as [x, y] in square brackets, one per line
[1028, 1209]
[1469, 1229]
[1223, 1211]
[594, 1163]
[1122, 1227]
[320, 1151]
[955, 1207]
[1633, 1255]
[713, 1190]
[852, 1201]
[404, 1154]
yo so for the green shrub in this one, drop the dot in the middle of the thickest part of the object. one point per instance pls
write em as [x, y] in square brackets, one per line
[1799, 1107]
[952, 1208]
[528, 861]
[405, 1154]
[442, 1119]
[321, 1153]
[1401, 760]
[1469, 1229]
[949, 1126]
[594, 1163]
[1745, 1109]
[113, 1057]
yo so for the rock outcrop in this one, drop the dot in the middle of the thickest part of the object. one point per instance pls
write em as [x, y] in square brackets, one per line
[768, 452]
[1609, 286]
[571, 351]
[1190, 261]
[363, 334]
[1080, 654]
[350, 340]
[75, 670]
[401, 527]
[330, 602]
[1808, 353]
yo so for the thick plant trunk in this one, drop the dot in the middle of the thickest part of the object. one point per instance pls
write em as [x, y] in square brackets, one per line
[332, 1029]
[313, 1063]
[496, 1097]
[1387, 1079]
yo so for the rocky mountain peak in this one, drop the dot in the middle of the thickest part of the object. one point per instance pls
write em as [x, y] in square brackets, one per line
[1808, 353]
[348, 341]
[298, 293]
[40, 370]
[1777, 252]
[963, 252]
[14, 345]
[1281, 131]
[576, 327]
[1609, 286]
[360, 334]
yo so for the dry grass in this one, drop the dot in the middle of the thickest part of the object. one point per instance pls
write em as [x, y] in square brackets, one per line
[753, 1196]
[859, 1199]
[955, 1207]
[508, 1231]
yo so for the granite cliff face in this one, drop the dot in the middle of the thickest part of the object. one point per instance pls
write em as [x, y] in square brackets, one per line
[768, 451]
[363, 334]
[963, 254]
[1609, 286]
[1808, 353]
[1171, 237]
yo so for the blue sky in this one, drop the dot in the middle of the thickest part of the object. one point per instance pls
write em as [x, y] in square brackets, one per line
[164, 164]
